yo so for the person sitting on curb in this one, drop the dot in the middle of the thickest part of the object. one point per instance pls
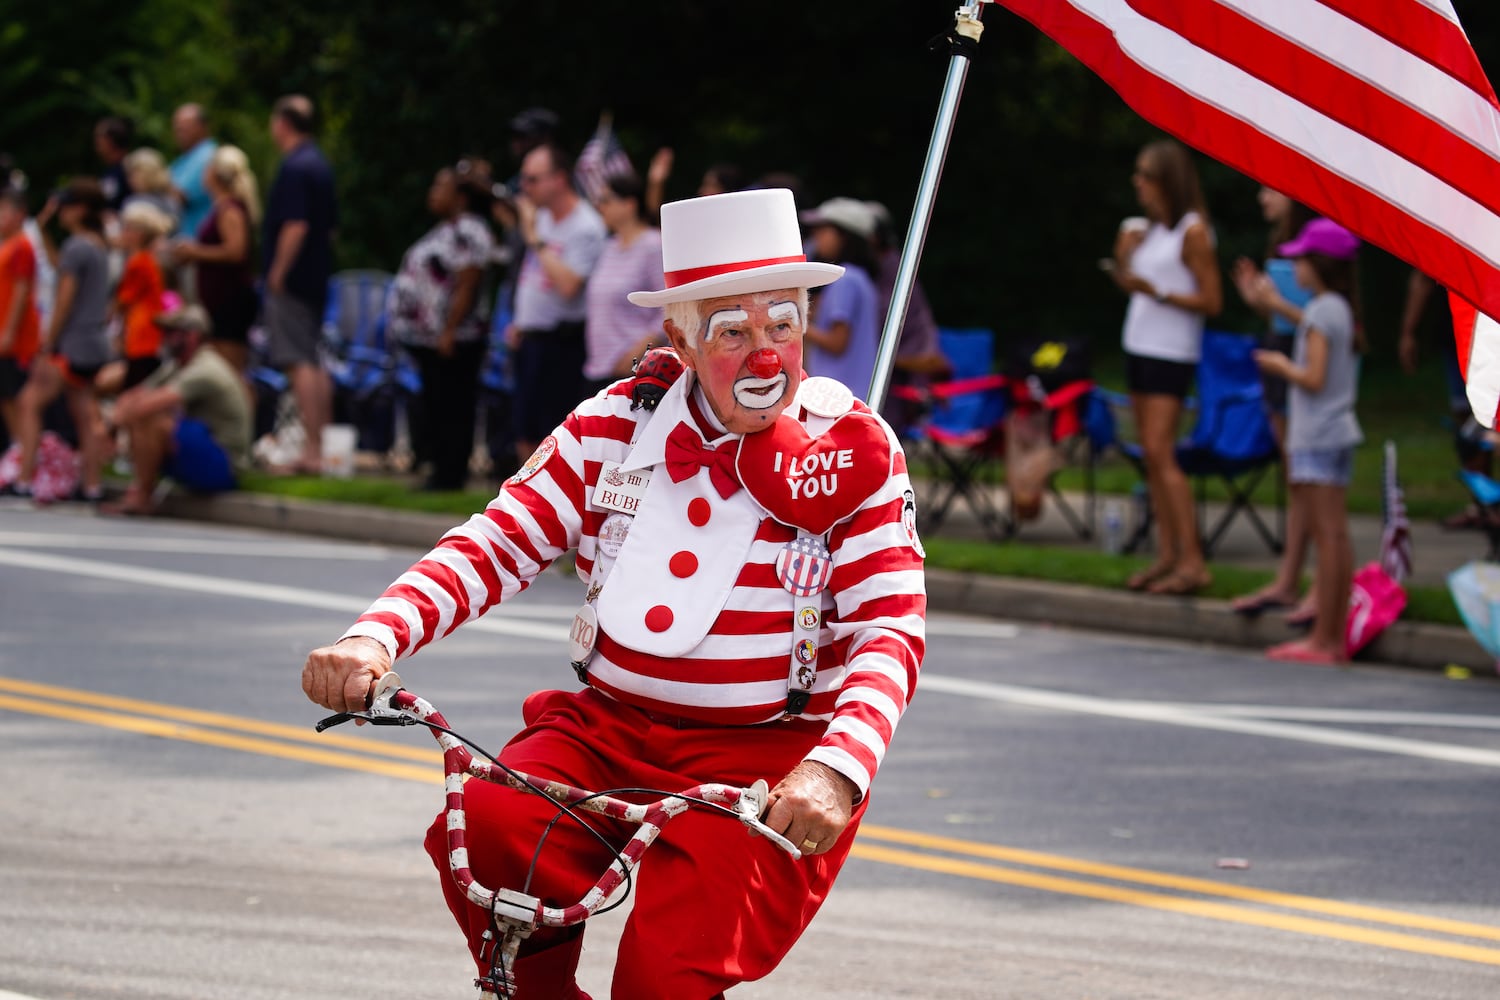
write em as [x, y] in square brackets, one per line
[189, 420]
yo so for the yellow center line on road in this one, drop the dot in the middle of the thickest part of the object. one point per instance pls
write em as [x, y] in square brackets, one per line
[279, 740]
[300, 734]
[195, 734]
[1177, 904]
[1184, 883]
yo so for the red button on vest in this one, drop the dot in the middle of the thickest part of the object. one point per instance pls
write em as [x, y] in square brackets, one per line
[699, 511]
[683, 564]
[659, 618]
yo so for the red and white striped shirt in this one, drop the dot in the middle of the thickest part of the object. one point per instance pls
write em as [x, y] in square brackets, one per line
[870, 642]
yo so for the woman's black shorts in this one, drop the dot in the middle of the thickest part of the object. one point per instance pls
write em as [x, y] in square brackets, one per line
[1158, 376]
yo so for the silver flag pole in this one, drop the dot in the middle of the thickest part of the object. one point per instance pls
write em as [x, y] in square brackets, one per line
[962, 40]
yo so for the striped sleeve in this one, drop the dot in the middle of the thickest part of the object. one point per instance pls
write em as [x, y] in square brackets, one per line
[536, 517]
[879, 629]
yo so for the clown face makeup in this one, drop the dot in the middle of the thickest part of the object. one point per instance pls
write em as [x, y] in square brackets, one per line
[747, 355]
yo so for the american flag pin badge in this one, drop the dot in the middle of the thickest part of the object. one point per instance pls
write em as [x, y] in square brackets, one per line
[803, 566]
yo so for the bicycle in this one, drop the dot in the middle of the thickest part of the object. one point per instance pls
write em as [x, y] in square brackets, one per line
[514, 913]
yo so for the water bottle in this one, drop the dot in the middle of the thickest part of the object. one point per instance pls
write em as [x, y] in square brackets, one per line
[1113, 535]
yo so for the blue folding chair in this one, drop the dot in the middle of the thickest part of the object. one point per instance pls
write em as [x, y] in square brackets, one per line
[1486, 494]
[959, 429]
[370, 373]
[1231, 441]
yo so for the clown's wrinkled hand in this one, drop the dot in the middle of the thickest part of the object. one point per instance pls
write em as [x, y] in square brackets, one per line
[340, 677]
[811, 806]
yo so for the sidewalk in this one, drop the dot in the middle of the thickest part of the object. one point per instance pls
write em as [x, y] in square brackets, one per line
[1418, 645]
[1435, 552]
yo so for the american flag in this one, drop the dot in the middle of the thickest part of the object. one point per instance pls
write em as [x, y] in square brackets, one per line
[1375, 113]
[601, 156]
[1395, 541]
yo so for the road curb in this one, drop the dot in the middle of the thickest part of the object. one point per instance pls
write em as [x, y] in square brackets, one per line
[1407, 644]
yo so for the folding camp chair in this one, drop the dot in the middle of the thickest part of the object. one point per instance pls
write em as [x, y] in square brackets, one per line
[959, 430]
[1231, 441]
[1067, 410]
[1486, 494]
[496, 391]
[371, 375]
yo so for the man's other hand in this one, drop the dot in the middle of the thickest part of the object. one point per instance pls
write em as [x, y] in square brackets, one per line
[811, 806]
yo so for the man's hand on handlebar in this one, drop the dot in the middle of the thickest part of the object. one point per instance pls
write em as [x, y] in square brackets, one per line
[811, 806]
[340, 677]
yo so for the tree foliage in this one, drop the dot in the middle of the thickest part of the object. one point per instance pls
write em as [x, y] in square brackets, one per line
[842, 96]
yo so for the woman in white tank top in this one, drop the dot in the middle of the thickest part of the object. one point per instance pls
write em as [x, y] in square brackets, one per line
[1169, 269]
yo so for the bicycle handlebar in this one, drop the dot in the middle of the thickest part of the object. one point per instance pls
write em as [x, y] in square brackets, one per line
[393, 705]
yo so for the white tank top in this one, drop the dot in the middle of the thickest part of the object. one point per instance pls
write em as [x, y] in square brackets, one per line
[1154, 329]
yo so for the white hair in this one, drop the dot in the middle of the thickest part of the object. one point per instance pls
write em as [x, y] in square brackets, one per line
[689, 317]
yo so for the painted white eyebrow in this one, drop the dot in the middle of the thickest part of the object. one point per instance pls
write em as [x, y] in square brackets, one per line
[784, 311]
[724, 317]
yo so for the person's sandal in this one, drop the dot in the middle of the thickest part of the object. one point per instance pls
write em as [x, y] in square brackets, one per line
[1179, 584]
[1142, 579]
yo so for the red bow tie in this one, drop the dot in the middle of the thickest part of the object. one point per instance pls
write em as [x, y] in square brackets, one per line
[686, 454]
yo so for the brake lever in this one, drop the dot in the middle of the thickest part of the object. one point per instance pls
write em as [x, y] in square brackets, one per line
[751, 806]
[374, 720]
[378, 711]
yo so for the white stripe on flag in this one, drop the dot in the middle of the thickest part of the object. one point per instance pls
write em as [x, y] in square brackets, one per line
[1483, 383]
[1379, 63]
[1288, 121]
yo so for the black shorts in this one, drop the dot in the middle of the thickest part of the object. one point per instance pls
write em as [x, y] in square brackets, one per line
[1158, 376]
[233, 317]
[12, 377]
[548, 369]
[137, 370]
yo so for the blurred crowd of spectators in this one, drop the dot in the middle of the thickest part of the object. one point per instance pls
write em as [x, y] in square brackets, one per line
[527, 275]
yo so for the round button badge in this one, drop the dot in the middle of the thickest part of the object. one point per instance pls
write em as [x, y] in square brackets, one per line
[612, 533]
[825, 397]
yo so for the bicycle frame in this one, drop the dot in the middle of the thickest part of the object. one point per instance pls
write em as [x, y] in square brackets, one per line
[516, 912]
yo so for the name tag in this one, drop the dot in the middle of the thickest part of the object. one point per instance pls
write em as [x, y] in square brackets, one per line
[621, 491]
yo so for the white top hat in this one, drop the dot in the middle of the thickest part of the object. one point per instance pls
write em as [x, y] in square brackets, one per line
[725, 244]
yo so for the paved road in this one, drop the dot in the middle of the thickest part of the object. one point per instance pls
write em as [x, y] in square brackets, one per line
[1054, 821]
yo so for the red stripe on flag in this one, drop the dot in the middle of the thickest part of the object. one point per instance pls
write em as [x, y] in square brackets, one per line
[1424, 33]
[1465, 316]
[1342, 96]
[1245, 148]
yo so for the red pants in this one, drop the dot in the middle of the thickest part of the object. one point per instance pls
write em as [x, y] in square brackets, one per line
[713, 906]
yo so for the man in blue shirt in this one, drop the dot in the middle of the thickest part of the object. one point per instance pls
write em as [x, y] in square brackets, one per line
[301, 214]
[190, 132]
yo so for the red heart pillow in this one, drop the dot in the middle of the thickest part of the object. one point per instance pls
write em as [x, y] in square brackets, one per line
[813, 483]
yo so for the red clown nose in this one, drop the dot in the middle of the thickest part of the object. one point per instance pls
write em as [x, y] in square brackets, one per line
[763, 363]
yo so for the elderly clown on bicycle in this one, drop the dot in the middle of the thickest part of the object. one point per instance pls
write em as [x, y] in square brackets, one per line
[754, 609]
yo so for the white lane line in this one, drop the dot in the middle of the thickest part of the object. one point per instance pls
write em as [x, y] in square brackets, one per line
[1179, 715]
[203, 547]
[299, 596]
[1353, 716]
[7, 995]
[1196, 717]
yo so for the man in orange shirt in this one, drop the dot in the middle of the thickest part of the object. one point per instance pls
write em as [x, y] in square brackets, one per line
[18, 317]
